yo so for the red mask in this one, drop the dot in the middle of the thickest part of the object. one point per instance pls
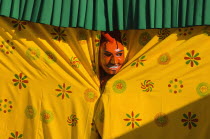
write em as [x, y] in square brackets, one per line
[111, 56]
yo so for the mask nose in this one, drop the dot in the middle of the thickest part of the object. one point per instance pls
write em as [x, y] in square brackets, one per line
[114, 60]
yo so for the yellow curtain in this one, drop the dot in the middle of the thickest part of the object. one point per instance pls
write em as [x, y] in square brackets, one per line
[49, 87]
[163, 89]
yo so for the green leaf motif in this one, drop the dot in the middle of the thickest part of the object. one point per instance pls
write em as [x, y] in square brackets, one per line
[67, 95]
[188, 54]
[16, 76]
[15, 84]
[68, 87]
[193, 116]
[188, 61]
[128, 115]
[137, 124]
[60, 86]
[128, 123]
[185, 116]
[59, 94]
[24, 77]
[142, 57]
[197, 54]
[137, 115]
[193, 124]
[196, 63]
[13, 135]
[20, 136]
[185, 123]
[134, 63]
[24, 85]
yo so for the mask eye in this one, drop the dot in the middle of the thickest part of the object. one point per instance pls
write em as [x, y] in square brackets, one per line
[119, 54]
[107, 54]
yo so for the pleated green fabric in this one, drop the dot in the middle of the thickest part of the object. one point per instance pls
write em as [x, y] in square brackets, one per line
[110, 14]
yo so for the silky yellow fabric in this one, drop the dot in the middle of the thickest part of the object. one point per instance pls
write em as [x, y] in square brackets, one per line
[162, 92]
[49, 87]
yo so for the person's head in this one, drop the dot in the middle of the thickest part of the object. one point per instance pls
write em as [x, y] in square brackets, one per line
[111, 52]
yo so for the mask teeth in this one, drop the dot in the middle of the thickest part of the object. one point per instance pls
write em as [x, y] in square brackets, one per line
[108, 37]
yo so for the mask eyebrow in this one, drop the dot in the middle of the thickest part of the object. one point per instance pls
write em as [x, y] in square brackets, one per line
[107, 51]
[120, 51]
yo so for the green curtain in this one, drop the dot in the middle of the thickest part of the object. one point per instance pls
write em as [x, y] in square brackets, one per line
[110, 14]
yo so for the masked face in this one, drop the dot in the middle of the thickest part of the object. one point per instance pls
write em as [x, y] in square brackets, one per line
[111, 57]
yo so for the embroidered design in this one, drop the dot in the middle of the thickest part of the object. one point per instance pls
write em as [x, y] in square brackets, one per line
[175, 86]
[144, 38]
[139, 61]
[7, 47]
[164, 59]
[20, 80]
[97, 40]
[90, 95]
[190, 120]
[74, 62]
[161, 119]
[19, 24]
[203, 89]
[5, 105]
[185, 31]
[147, 86]
[119, 86]
[192, 58]
[16, 135]
[124, 39]
[33, 53]
[72, 120]
[46, 116]
[50, 57]
[63, 91]
[59, 34]
[30, 112]
[132, 120]
[163, 33]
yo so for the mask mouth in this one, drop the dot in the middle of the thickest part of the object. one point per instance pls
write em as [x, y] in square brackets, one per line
[113, 66]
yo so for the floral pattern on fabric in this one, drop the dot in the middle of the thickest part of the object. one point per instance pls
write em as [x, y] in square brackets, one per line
[185, 31]
[147, 86]
[119, 86]
[90, 95]
[164, 59]
[139, 61]
[20, 80]
[50, 57]
[144, 38]
[163, 33]
[63, 91]
[192, 58]
[58, 34]
[132, 120]
[124, 39]
[203, 89]
[46, 116]
[33, 53]
[30, 112]
[190, 120]
[7, 47]
[5, 105]
[15, 135]
[161, 119]
[19, 24]
[74, 62]
[72, 120]
[97, 40]
[175, 86]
